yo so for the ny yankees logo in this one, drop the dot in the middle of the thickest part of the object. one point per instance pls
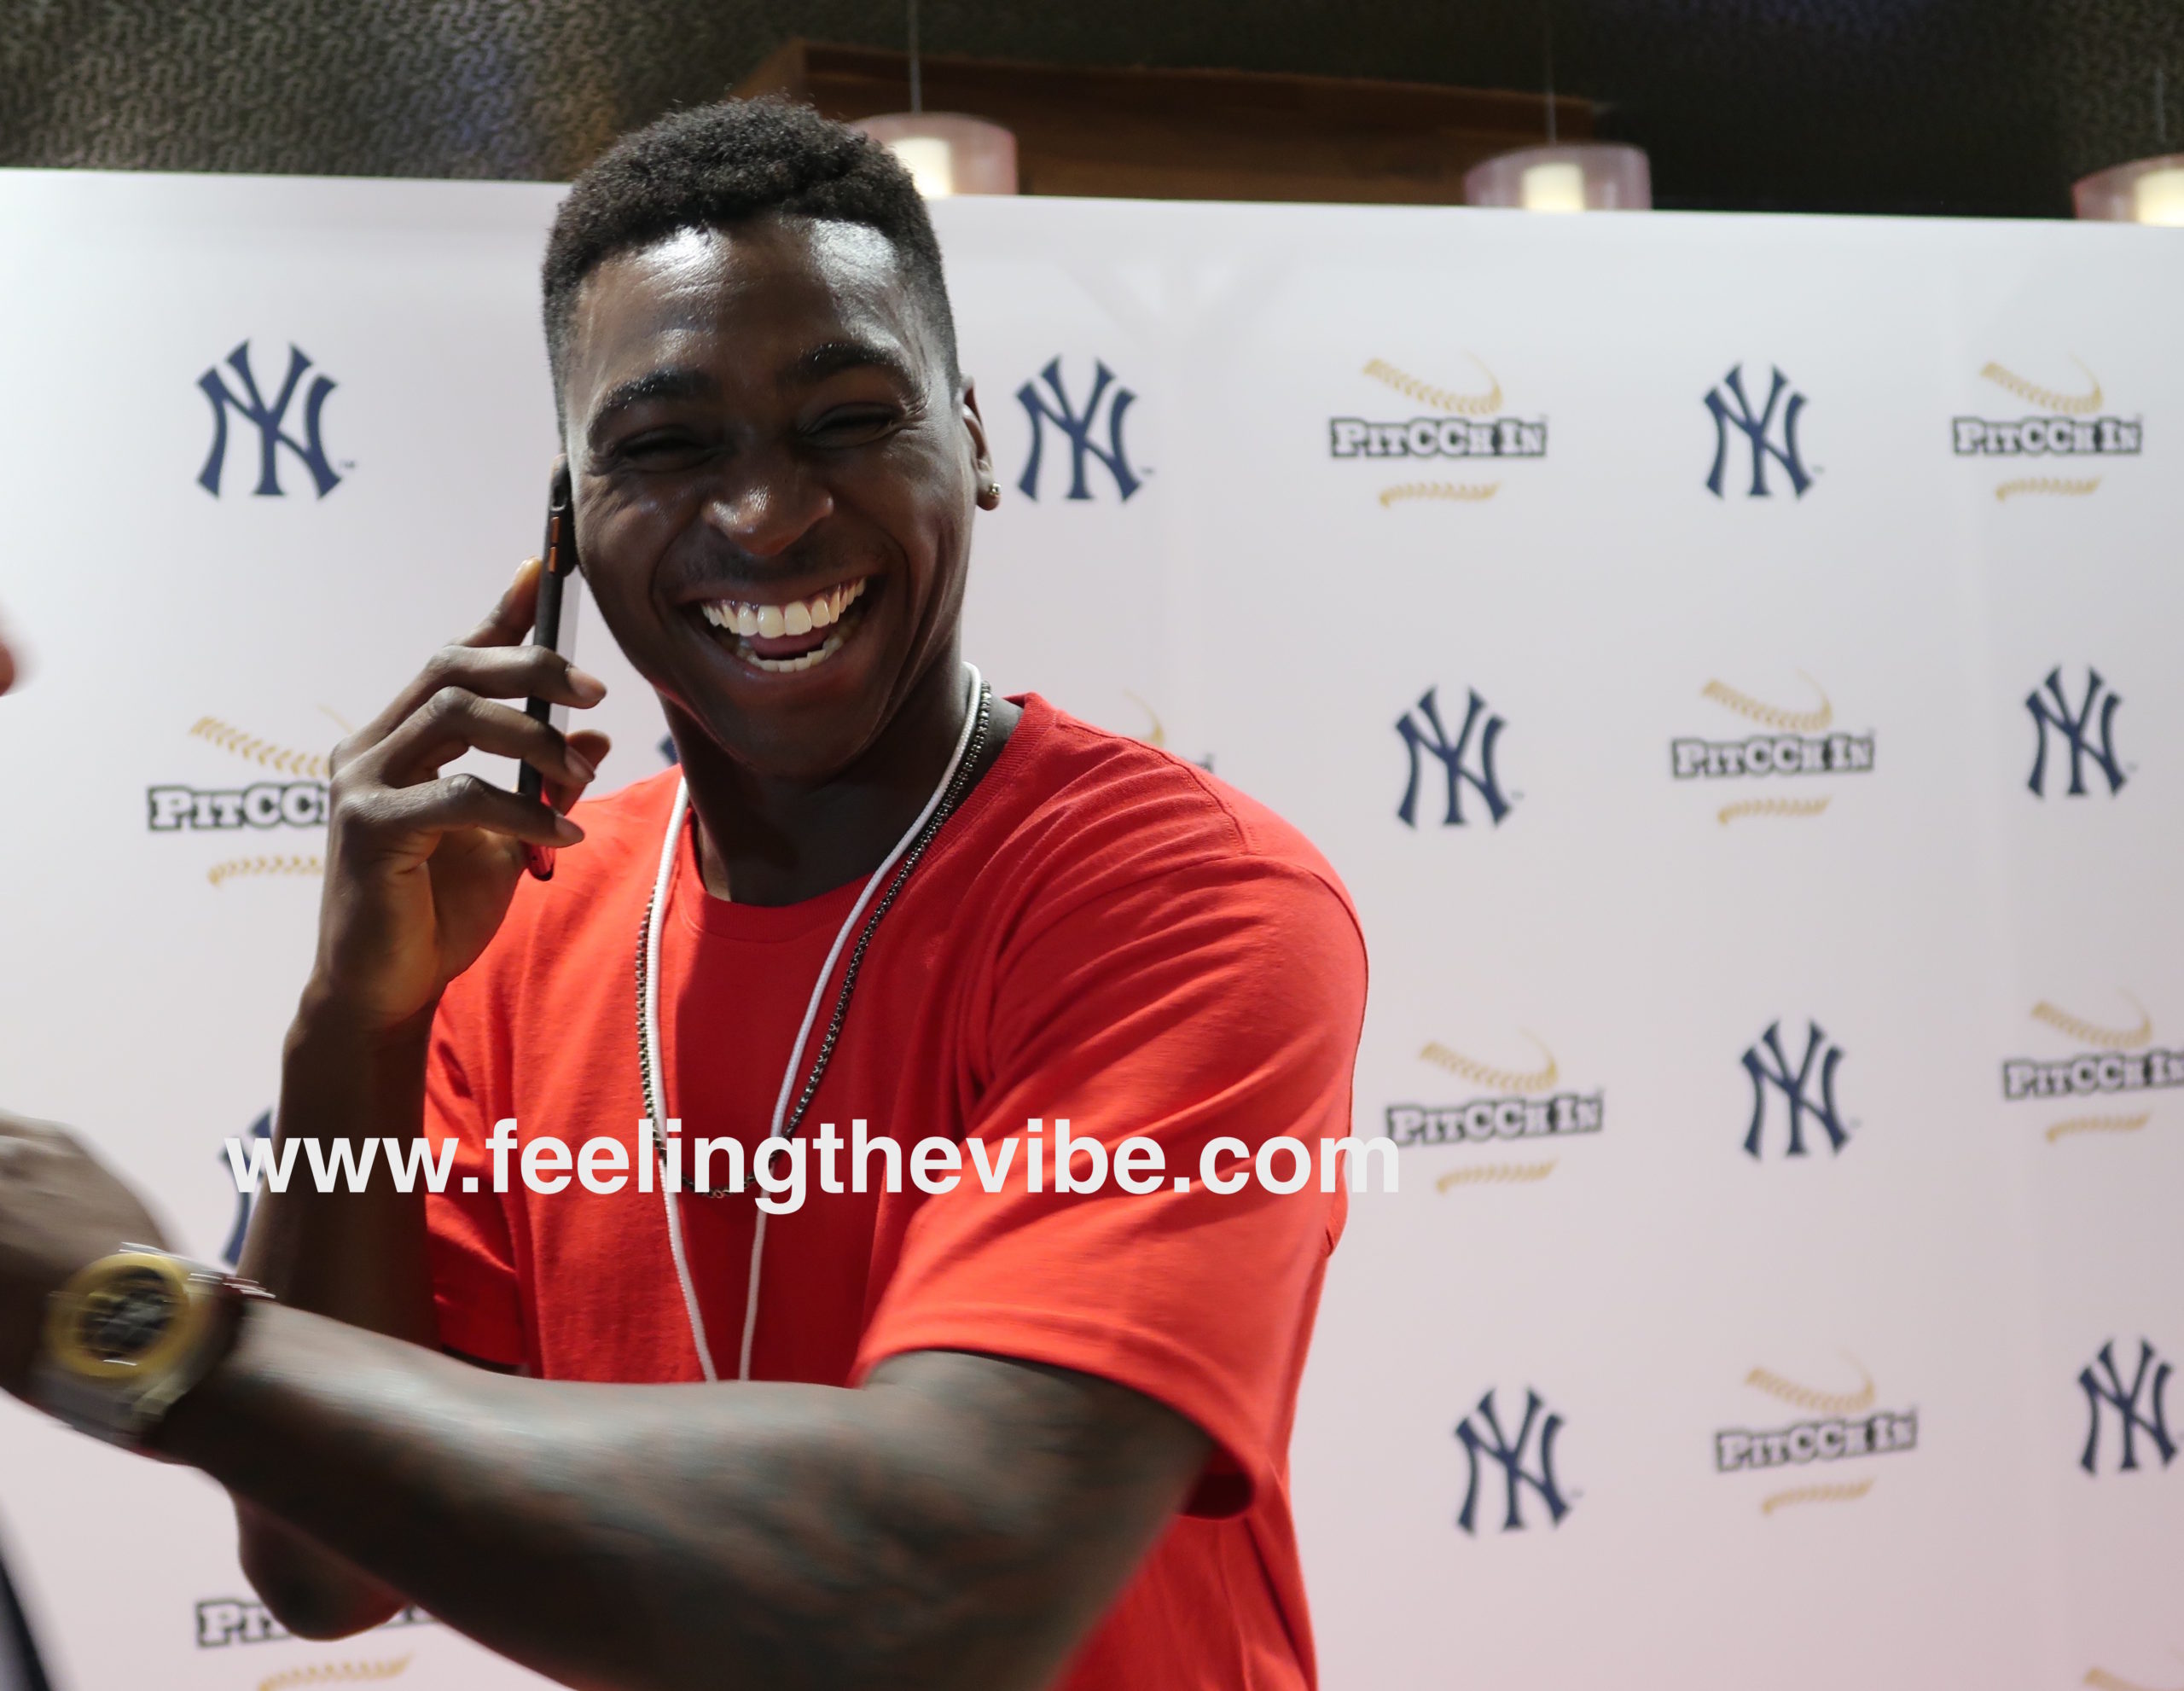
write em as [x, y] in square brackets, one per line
[1076, 427]
[1757, 430]
[2152, 1418]
[268, 420]
[1434, 739]
[2075, 727]
[1797, 1089]
[1510, 1457]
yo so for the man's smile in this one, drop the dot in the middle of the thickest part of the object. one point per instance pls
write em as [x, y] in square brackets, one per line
[779, 636]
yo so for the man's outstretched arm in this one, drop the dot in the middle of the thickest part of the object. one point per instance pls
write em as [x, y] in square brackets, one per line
[959, 1520]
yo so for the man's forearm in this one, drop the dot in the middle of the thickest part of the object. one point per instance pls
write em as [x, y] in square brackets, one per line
[959, 1522]
[356, 1256]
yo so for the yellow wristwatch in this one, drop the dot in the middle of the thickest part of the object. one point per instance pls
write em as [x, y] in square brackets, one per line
[129, 1335]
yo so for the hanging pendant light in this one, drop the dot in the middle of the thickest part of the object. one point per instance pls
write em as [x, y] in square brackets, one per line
[1590, 177]
[945, 153]
[1582, 177]
[2144, 191]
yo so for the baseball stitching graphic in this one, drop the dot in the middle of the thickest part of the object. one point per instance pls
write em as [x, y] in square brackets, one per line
[333, 1673]
[2097, 1125]
[1849, 1491]
[2101, 1680]
[1157, 738]
[1470, 491]
[247, 866]
[1440, 399]
[1770, 807]
[1819, 1403]
[1500, 1080]
[2047, 484]
[2109, 1039]
[1495, 1173]
[261, 752]
[2069, 404]
[1772, 715]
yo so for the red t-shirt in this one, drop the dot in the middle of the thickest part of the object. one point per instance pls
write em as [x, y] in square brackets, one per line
[1101, 932]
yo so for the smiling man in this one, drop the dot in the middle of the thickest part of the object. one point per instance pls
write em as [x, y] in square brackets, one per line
[642, 1438]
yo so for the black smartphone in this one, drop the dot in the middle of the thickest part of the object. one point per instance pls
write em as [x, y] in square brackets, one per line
[555, 625]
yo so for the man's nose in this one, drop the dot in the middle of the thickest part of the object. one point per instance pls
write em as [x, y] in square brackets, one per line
[769, 508]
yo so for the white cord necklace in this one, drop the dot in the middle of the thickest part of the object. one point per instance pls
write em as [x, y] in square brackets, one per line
[909, 850]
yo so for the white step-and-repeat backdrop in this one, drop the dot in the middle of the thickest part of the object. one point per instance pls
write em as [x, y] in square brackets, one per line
[1733, 662]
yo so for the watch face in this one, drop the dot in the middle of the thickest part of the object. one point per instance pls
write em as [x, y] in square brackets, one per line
[124, 1320]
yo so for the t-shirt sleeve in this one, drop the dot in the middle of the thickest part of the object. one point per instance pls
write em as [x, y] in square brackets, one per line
[1217, 999]
[475, 1289]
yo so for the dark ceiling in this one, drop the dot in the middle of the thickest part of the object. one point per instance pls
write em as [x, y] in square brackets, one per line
[1980, 107]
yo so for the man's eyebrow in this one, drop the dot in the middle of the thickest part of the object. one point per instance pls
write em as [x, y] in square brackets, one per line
[834, 357]
[668, 384]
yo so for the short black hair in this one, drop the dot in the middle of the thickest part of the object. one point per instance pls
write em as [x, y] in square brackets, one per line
[712, 167]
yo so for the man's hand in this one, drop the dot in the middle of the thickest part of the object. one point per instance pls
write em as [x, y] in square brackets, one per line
[61, 1209]
[421, 866]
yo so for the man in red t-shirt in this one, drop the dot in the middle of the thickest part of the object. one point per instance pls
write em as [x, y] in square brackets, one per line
[660, 1422]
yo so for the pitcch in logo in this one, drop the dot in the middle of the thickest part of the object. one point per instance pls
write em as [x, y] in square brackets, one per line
[2086, 732]
[2137, 1410]
[2104, 1089]
[262, 812]
[1769, 433]
[1467, 760]
[299, 801]
[1527, 1110]
[1796, 744]
[2068, 427]
[1803, 1092]
[1466, 431]
[1047, 404]
[270, 419]
[1524, 1458]
[1836, 1426]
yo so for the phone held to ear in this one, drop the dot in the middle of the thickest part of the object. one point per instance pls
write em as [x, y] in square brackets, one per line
[555, 625]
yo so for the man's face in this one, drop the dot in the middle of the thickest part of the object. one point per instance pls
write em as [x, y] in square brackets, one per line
[775, 479]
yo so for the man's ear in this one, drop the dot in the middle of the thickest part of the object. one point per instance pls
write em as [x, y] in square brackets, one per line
[989, 488]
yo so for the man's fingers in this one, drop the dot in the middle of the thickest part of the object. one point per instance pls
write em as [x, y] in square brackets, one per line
[509, 620]
[489, 672]
[590, 745]
[456, 720]
[461, 801]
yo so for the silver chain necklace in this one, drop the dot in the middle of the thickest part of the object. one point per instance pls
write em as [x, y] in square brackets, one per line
[956, 783]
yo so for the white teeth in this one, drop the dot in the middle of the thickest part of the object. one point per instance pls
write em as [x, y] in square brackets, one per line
[786, 666]
[821, 610]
